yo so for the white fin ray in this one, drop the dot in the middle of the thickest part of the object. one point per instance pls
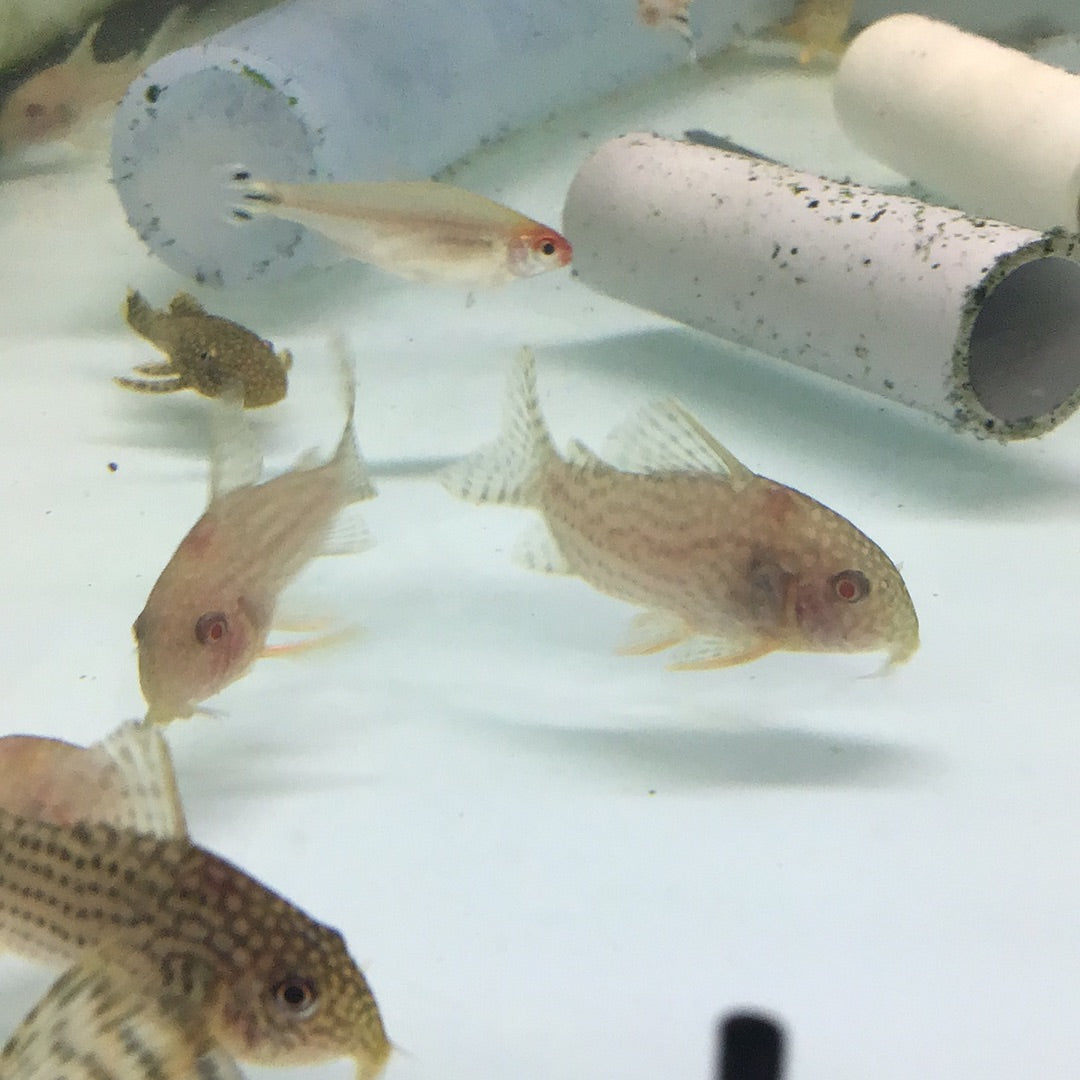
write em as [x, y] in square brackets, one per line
[235, 455]
[536, 549]
[149, 799]
[704, 652]
[651, 632]
[665, 437]
[93, 1024]
[357, 481]
[508, 471]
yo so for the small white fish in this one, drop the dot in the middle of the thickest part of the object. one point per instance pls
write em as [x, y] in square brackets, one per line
[176, 963]
[208, 616]
[418, 229]
[729, 565]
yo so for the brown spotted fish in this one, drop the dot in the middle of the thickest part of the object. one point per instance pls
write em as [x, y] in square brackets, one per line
[729, 565]
[818, 26]
[177, 963]
[208, 616]
[207, 353]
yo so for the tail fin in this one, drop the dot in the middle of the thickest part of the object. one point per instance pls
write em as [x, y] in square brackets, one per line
[510, 469]
[356, 478]
[253, 196]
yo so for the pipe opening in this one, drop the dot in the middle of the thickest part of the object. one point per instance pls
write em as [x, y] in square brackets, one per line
[1024, 352]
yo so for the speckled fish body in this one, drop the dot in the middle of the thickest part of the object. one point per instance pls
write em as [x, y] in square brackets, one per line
[207, 353]
[420, 230]
[207, 617]
[729, 565]
[196, 956]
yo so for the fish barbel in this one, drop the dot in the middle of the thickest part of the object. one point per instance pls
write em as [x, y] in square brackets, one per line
[177, 962]
[209, 613]
[418, 229]
[729, 565]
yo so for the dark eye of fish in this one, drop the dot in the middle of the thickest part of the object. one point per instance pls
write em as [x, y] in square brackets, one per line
[548, 247]
[295, 996]
[851, 586]
[211, 627]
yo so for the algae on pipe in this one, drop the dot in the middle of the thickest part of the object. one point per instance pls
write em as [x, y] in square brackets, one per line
[971, 320]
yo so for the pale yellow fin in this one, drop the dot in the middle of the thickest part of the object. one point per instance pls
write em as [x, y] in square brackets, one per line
[577, 453]
[651, 632]
[149, 799]
[665, 437]
[538, 550]
[357, 481]
[314, 643]
[93, 1024]
[83, 53]
[704, 653]
[508, 470]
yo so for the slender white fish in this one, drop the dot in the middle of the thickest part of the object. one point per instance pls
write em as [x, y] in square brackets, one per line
[208, 616]
[418, 229]
[177, 963]
[729, 565]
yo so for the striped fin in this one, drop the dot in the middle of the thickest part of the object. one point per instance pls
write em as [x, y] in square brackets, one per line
[94, 1025]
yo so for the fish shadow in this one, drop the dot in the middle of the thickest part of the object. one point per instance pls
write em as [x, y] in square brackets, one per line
[665, 758]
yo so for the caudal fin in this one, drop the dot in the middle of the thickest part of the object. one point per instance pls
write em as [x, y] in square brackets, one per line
[252, 197]
[510, 469]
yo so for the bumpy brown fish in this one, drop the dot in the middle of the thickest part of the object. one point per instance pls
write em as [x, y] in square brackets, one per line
[207, 353]
[208, 616]
[178, 962]
[731, 565]
[818, 26]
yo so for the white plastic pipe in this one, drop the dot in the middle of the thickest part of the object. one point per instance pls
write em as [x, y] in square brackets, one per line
[975, 321]
[987, 127]
[368, 90]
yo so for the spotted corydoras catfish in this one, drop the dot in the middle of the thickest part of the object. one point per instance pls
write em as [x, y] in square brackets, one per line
[729, 564]
[178, 964]
[208, 616]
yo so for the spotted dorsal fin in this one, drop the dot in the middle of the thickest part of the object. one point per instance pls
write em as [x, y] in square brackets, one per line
[664, 437]
[96, 1024]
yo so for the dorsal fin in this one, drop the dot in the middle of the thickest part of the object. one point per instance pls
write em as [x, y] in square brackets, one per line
[664, 437]
[577, 453]
[147, 798]
[185, 304]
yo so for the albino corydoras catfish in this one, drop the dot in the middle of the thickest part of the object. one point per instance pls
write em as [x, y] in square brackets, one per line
[177, 963]
[418, 229]
[208, 616]
[729, 565]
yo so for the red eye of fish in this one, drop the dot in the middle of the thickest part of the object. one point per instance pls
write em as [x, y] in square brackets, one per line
[211, 627]
[850, 586]
[295, 996]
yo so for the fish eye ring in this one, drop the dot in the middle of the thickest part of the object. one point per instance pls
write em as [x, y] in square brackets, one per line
[211, 627]
[851, 586]
[295, 996]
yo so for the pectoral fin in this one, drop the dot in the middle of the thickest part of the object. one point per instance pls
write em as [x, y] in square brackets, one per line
[95, 1024]
[703, 653]
[652, 631]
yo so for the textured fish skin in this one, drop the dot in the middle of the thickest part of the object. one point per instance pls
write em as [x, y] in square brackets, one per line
[188, 928]
[207, 353]
[417, 229]
[730, 564]
[229, 569]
